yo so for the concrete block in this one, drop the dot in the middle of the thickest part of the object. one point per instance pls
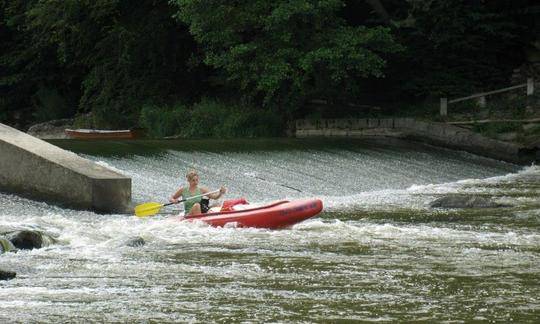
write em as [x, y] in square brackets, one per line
[34, 168]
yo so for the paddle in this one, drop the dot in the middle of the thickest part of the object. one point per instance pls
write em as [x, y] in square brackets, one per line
[152, 208]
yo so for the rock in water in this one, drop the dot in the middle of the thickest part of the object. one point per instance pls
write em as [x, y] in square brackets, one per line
[464, 201]
[26, 239]
[135, 241]
[6, 275]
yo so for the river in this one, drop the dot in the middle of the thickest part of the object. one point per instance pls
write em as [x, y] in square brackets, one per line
[376, 253]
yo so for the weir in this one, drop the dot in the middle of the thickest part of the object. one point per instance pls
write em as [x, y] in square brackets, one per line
[34, 168]
[439, 134]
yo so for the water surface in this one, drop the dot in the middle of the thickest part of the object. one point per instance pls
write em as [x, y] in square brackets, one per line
[376, 253]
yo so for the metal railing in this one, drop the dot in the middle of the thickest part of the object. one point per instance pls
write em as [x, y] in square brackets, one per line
[481, 97]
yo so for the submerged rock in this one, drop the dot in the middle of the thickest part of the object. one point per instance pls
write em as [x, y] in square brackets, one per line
[28, 239]
[135, 241]
[25, 239]
[6, 275]
[464, 201]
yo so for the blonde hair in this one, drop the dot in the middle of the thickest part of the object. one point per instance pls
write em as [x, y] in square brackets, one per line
[191, 174]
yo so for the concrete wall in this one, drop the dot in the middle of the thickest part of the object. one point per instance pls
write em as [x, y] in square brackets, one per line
[34, 168]
[440, 134]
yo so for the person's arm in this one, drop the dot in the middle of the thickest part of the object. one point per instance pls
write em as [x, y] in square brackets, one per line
[178, 194]
[215, 195]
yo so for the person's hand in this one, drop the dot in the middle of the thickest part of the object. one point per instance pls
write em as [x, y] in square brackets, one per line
[222, 190]
[173, 200]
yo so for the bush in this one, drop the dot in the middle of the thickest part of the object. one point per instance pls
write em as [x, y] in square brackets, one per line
[247, 121]
[49, 104]
[211, 118]
[165, 121]
[207, 117]
[84, 121]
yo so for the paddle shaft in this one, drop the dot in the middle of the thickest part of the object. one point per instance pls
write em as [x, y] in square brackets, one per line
[149, 209]
[201, 195]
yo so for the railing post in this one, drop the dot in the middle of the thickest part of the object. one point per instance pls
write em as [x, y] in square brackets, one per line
[530, 86]
[444, 107]
[482, 102]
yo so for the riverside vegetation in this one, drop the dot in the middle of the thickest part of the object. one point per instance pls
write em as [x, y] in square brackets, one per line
[246, 68]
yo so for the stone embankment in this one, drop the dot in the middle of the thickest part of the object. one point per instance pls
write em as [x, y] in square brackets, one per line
[32, 167]
[439, 134]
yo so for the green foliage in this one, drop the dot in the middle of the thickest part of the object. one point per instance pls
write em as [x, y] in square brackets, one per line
[206, 118]
[129, 62]
[110, 56]
[164, 121]
[285, 51]
[458, 48]
[84, 121]
[247, 121]
[210, 118]
[49, 105]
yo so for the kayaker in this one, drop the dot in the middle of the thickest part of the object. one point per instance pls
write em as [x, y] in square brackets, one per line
[195, 206]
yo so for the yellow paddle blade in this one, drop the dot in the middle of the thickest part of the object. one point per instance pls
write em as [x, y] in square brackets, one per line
[148, 209]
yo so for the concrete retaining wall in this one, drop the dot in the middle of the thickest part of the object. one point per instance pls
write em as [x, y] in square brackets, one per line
[32, 167]
[439, 134]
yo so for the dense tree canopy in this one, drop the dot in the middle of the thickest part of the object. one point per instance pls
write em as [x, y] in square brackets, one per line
[285, 51]
[61, 58]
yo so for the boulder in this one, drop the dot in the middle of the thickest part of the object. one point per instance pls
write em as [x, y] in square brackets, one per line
[135, 241]
[28, 239]
[465, 201]
[6, 275]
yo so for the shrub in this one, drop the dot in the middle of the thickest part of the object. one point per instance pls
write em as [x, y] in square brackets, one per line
[211, 118]
[49, 104]
[165, 121]
[207, 116]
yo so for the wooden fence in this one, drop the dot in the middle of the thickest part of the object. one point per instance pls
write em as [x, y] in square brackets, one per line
[481, 97]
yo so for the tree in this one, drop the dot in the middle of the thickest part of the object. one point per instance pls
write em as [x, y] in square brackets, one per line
[283, 51]
[104, 56]
[458, 47]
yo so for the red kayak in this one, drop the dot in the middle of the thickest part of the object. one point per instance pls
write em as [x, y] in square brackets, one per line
[278, 214]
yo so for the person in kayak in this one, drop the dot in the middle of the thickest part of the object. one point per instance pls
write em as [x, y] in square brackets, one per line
[195, 205]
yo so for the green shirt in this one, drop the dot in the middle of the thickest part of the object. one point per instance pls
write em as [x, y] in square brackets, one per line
[188, 204]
